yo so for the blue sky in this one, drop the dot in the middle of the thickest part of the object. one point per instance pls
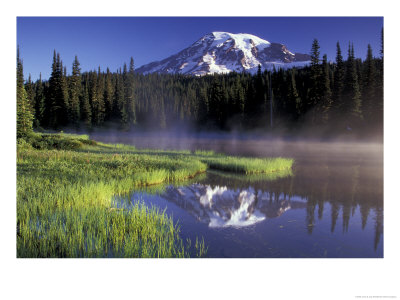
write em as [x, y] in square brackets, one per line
[111, 41]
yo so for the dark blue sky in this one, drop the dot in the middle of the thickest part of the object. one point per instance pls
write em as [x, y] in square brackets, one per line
[109, 42]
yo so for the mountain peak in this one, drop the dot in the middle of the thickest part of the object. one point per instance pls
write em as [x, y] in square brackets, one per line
[224, 52]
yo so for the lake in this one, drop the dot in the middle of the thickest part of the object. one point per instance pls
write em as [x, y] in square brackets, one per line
[330, 205]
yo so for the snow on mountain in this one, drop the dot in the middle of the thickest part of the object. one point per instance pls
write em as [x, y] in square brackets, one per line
[219, 206]
[223, 52]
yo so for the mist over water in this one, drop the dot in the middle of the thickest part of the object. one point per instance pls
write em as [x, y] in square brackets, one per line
[331, 206]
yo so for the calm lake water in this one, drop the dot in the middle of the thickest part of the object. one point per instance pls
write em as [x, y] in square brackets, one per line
[331, 205]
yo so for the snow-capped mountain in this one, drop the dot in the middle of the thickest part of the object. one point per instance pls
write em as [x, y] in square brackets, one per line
[223, 52]
[219, 206]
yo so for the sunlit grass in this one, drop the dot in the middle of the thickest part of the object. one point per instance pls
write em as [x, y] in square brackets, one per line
[248, 165]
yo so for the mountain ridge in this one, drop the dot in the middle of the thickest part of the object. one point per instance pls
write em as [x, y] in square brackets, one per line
[224, 52]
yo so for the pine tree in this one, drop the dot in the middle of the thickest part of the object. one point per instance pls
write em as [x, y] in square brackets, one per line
[74, 93]
[216, 99]
[337, 101]
[56, 112]
[162, 117]
[203, 108]
[101, 107]
[86, 115]
[24, 114]
[93, 98]
[315, 92]
[129, 95]
[65, 96]
[39, 102]
[378, 113]
[108, 95]
[30, 93]
[118, 103]
[260, 101]
[326, 100]
[239, 100]
[351, 92]
[294, 100]
[369, 87]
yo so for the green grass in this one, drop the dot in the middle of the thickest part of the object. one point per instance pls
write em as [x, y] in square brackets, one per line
[248, 165]
[65, 187]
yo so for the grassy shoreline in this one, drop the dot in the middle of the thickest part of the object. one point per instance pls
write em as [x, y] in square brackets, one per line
[65, 184]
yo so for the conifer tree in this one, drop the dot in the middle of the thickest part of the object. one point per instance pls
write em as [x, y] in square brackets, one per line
[239, 100]
[129, 95]
[216, 99]
[118, 103]
[56, 107]
[369, 87]
[24, 114]
[101, 108]
[74, 93]
[108, 95]
[162, 118]
[124, 121]
[203, 108]
[294, 108]
[39, 102]
[30, 93]
[337, 101]
[86, 115]
[65, 94]
[351, 93]
[326, 100]
[315, 92]
[379, 89]
[260, 101]
[93, 98]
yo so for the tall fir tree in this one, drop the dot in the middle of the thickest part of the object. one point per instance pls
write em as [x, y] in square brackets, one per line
[315, 91]
[65, 94]
[93, 98]
[124, 121]
[101, 108]
[118, 104]
[129, 95]
[30, 92]
[338, 86]
[351, 92]
[86, 115]
[379, 88]
[56, 112]
[75, 89]
[108, 95]
[326, 100]
[24, 113]
[39, 102]
[369, 87]
[216, 100]
[294, 100]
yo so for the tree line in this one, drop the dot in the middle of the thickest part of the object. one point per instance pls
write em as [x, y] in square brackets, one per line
[340, 96]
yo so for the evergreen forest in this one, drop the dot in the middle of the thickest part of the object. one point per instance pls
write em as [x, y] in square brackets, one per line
[324, 98]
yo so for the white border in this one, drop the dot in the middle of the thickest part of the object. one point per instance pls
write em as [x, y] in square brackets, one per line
[209, 278]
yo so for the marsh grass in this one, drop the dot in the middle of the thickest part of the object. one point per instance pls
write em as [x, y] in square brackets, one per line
[248, 165]
[65, 187]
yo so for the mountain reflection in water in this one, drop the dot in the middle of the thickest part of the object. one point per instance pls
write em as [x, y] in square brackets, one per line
[222, 207]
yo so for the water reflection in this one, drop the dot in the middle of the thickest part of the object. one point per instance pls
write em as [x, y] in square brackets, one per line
[220, 206]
